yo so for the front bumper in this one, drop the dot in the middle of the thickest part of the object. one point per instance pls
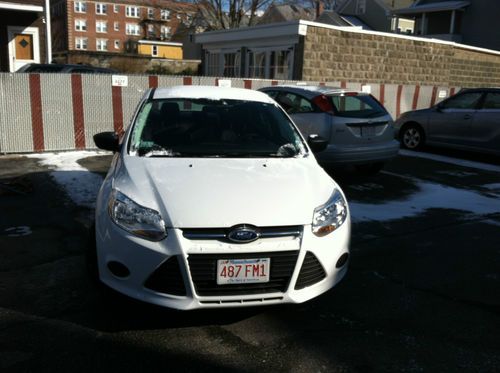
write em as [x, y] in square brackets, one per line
[352, 155]
[142, 258]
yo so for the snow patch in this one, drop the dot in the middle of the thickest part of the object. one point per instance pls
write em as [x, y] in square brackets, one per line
[81, 185]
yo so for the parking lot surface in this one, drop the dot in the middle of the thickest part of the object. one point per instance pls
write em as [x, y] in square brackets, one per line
[421, 294]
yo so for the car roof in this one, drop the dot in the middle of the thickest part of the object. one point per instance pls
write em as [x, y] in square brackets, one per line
[487, 89]
[310, 90]
[59, 67]
[211, 92]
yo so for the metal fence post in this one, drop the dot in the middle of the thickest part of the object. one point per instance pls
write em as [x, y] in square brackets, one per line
[2, 114]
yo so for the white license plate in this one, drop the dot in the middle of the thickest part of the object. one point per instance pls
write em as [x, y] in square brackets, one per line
[367, 131]
[243, 271]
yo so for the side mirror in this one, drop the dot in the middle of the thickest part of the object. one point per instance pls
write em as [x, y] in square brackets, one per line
[107, 141]
[317, 143]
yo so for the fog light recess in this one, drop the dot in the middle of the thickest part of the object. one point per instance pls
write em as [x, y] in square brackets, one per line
[118, 269]
[342, 260]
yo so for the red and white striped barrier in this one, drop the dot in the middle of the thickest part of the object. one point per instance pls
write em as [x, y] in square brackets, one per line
[52, 112]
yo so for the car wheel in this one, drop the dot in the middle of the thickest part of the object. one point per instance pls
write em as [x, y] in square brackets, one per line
[370, 168]
[412, 137]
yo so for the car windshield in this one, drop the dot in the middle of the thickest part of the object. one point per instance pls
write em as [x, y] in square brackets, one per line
[213, 128]
[357, 106]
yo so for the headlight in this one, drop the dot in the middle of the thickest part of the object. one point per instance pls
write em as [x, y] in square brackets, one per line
[329, 216]
[136, 219]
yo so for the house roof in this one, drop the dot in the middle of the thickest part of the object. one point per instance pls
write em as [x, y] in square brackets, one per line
[286, 13]
[356, 22]
[397, 4]
[438, 6]
[31, 7]
[332, 18]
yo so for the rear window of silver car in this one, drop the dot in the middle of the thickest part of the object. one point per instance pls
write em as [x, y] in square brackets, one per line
[354, 105]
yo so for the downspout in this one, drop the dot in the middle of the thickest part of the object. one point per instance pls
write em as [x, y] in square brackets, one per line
[48, 32]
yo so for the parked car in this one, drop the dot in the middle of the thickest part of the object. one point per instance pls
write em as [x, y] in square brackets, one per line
[359, 129]
[469, 120]
[64, 68]
[214, 199]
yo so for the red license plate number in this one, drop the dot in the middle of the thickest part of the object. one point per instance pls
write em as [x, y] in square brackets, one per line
[243, 271]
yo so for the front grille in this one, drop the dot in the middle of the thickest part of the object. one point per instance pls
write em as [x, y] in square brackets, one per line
[203, 269]
[167, 278]
[222, 233]
[311, 272]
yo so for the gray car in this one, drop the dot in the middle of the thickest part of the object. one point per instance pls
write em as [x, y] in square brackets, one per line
[469, 120]
[358, 128]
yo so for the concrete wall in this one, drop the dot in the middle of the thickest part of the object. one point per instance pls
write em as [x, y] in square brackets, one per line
[53, 112]
[332, 54]
[130, 63]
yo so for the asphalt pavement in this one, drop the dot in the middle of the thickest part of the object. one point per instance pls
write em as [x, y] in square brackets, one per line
[421, 294]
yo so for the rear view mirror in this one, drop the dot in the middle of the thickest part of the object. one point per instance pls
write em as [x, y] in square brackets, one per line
[317, 143]
[107, 141]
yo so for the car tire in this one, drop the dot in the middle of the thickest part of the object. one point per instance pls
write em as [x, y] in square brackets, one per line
[412, 137]
[370, 168]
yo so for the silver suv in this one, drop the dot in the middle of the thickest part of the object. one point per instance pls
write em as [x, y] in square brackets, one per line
[359, 129]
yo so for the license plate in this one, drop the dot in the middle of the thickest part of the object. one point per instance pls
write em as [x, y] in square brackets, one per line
[243, 271]
[367, 131]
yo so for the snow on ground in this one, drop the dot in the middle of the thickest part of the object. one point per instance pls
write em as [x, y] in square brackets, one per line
[429, 196]
[80, 184]
[455, 161]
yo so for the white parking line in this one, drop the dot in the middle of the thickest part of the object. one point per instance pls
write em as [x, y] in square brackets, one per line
[455, 161]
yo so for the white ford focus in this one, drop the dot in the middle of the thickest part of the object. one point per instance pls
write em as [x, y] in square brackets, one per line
[214, 199]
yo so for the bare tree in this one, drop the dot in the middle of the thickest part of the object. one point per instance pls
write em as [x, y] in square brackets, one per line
[233, 13]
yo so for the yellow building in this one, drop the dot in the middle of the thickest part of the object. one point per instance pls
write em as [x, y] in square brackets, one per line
[160, 49]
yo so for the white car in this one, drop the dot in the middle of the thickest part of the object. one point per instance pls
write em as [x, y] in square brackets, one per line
[214, 199]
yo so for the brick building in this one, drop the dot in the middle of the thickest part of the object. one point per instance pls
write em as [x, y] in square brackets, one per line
[23, 33]
[118, 27]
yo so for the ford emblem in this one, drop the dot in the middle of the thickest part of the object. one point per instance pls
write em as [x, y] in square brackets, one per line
[243, 234]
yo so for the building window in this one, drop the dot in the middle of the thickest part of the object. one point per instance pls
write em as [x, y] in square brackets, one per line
[116, 8]
[132, 11]
[102, 44]
[360, 6]
[165, 14]
[116, 26]
[212, 64]
[257, 65]
[80, 25]
[151, 13]
[81, 43]
[101, 8]
[151, 30]
[80, 6]
[270, 64]
[165, 32]
[231, 65]
[132, 29]
[280, 64]
[101, 26]
[154, 51]
[117, 44]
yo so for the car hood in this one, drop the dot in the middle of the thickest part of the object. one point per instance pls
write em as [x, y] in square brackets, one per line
[222, 192]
